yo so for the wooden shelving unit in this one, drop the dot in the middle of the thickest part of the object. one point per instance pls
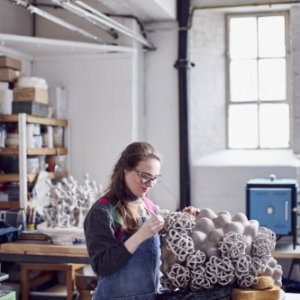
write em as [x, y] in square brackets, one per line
[10, 205]
[23, 177]
[30, 177]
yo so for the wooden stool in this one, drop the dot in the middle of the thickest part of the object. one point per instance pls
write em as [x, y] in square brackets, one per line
[27, 283]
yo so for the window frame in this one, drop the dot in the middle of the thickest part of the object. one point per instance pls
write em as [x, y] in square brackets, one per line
[288, 99]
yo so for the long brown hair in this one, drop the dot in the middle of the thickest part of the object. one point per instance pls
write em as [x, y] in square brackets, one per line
[117, 191]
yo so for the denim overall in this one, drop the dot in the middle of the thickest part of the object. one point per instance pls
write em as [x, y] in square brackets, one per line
[138, 279]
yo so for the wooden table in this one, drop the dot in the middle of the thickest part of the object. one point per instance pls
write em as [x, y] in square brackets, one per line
[44, 253]
[35, 256]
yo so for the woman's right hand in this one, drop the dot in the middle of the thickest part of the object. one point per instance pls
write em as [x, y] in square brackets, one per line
[152, 226]
[145, 232]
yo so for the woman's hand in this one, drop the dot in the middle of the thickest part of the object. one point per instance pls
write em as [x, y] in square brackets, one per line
[192, 210]
[145, 232]
[152, 226]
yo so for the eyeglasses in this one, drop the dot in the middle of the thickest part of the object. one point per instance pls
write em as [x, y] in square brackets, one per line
[147, 178]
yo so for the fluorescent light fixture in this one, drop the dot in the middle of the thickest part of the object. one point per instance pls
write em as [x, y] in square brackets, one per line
[114, 24]
[83, 14]
[88, 13]
[50, 17]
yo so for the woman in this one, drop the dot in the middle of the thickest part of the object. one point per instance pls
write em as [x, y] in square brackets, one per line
[121, 228]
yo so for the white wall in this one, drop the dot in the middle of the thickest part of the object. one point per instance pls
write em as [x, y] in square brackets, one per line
[100, 109]
[161, 109]
[208, 90]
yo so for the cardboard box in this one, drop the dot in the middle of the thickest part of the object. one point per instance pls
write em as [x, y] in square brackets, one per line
[10, 62]
[9, 75]
[31, 108]
[7, 295]
[31, 94]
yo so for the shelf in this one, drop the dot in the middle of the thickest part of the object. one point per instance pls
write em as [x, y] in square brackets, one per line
[9, 151]
[34, 151]
[23, 177]
[9, 177]
[58, 290]
[9, 205]
[35, 120]
[47, 151]
[30, 177]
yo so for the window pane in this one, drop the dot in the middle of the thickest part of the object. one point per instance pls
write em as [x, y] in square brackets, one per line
[243, 80]
[272, 79]
[243, 37]
[271, 41]
[242, 125]
[274, 125]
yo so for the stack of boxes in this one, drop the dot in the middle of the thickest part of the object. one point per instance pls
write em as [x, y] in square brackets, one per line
[31, 96]
[9, 68]
[9, 73]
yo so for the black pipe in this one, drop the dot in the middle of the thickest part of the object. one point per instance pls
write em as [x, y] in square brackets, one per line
[183, 65]
[34, 22]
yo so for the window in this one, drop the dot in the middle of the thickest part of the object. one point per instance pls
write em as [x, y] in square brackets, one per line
[258, 107]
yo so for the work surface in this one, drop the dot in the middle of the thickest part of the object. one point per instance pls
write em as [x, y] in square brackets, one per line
[286, 250]
[47, 253]
[78, 253]
[291, 297]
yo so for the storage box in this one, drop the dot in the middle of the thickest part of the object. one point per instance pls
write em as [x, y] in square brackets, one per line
[7, 295]
[10, 62]
[32, 108]
[8, 75]
[31, 94]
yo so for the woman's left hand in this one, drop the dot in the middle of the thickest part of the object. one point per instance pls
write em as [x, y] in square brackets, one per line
[191, 210]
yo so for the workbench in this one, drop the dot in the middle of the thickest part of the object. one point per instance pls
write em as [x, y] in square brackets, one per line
[46, 257]
[44, 253]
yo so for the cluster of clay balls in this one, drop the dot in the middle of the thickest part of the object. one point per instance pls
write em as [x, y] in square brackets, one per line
[200, 252]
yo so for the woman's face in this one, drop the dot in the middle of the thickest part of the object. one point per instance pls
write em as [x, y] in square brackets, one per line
[143, 177]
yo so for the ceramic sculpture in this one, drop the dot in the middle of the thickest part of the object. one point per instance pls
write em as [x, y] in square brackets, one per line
[201, 252]
[69, 202]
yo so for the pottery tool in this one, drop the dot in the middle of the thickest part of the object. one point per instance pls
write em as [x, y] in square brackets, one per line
[150, 212]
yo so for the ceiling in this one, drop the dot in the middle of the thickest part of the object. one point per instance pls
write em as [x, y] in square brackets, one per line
[145, 10]
[88, 16]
